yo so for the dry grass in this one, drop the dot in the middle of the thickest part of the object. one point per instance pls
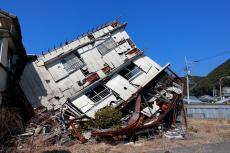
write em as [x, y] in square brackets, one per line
[200, 131]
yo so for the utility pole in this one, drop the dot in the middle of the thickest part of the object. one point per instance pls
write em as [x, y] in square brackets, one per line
[187, 78]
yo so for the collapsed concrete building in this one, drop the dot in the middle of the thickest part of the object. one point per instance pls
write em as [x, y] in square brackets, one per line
[104, 68]
[68, 85]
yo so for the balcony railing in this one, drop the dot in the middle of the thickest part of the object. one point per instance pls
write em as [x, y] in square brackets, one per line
[101, 95]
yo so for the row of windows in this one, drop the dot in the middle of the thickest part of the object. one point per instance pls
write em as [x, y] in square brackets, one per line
[101, 92]
[74, 62]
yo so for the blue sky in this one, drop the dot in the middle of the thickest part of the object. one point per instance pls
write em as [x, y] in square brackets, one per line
[169, 30]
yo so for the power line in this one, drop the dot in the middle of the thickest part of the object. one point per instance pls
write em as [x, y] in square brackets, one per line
[211, 57]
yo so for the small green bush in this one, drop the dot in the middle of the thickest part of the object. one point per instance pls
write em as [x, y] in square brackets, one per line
[108, 117]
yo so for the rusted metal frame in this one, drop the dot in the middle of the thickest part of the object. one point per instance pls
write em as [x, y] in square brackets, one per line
[174, 113]
[126, 130]
[77, 132]
[162, 116]
[136, 111]
[132, 123]
[184, 115]
[138, 104]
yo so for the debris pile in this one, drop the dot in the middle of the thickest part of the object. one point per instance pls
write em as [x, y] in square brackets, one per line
[152, 111]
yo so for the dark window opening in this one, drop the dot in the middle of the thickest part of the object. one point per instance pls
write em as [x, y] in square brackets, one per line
[98, 93]
[130, 72]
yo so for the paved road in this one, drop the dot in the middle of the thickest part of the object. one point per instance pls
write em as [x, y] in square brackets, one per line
[208, 148]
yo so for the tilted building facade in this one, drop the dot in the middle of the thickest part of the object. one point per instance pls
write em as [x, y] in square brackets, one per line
[103, 67]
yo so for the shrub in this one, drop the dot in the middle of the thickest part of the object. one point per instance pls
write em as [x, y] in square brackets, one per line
[108, 117]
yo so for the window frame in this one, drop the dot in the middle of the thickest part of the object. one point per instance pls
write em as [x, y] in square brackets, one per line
[101, 95]
[135, 71]
[106, 46]
[72, 63]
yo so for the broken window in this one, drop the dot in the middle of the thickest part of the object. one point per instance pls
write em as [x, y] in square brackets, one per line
[130, 72]
[106, 46]
[99, 93]
[72, 62]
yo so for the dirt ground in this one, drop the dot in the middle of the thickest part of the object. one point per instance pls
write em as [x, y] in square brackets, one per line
[199, 132]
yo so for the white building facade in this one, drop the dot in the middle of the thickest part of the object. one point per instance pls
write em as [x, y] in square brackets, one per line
[101, 68]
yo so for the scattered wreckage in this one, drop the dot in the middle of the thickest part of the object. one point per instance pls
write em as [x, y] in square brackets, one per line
[67, 86]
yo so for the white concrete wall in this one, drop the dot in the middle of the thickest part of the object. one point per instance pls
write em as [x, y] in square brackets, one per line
[93, 60]
[50, 85]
